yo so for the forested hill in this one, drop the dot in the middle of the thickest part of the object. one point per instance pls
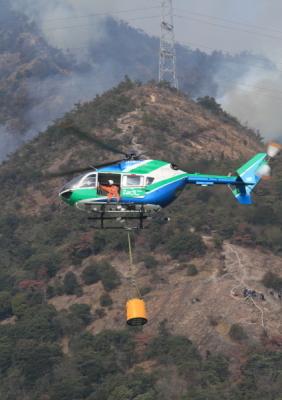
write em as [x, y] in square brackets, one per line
[25, 59]
[63, 284]
[39, 82]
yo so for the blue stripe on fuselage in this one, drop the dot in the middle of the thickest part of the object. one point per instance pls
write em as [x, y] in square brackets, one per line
[162, 196]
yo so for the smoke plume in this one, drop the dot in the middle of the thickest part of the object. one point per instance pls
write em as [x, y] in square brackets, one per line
[249, 91]
[256, 100]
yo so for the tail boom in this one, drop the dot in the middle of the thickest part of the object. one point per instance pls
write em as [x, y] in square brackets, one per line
[241, 184]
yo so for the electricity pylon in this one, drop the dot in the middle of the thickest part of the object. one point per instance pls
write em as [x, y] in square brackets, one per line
[167, 61]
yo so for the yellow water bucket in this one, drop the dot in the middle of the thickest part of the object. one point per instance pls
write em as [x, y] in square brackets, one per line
[136, 313]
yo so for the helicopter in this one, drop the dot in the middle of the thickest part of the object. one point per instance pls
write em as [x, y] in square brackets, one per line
[143, 187]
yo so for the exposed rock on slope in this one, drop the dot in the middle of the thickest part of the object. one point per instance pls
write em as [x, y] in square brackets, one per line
[43, 240]
[202, 307]
[184, 127]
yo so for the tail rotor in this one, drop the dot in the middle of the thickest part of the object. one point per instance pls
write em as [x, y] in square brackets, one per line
[264, 171]
[273, 149]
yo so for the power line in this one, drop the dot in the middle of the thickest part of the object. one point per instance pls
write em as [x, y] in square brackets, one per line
[230, 21]
[104, 14]
[259, 88]
[227, 52]
[88, 25]
[229, 27]
[95, 15]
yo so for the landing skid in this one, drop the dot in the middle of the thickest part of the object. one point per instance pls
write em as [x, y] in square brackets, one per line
[124, 220]
[125, 215]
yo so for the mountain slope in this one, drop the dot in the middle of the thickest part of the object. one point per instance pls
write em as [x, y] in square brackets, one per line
[63, 284]
[39, 83]
[24, 57]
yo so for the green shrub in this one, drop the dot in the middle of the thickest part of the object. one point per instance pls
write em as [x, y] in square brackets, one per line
[46, 261]
[215, 369]
[99, 313]
[177, 350]
[91, 275]
[262, 376]
[6, 353]
[67, 387]
[237, 333]
[71, 285]
[189, 245]
[109, 276]
[19, 304]
[78, 254]
[218, 242]
[272, 281]
[192, 270]
[106, 300]
[36, 359]
[38, 323]
[50, 292]
[145, 290]
[150, 262]
[102, 271]
[81, 311]
[5, 305]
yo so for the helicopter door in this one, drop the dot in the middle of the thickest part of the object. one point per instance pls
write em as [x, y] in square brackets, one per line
[103, 180]
[133, 186]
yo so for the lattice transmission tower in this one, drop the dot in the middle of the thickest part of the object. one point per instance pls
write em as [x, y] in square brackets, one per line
[167, 62]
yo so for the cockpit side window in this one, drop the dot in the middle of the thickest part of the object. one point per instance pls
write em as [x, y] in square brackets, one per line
[149, 180]
[132, 180]
[89, 181]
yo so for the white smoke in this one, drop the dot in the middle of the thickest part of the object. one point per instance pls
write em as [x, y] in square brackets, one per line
[71, 24]
[256, 99]
[66, 24]
[58, 95]
[8, 143]
[55, 95]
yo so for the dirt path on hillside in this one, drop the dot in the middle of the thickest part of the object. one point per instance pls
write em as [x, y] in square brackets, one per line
[240, 275]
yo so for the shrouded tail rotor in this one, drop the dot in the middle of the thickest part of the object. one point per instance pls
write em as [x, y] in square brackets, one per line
[273, 149]
[264, 170]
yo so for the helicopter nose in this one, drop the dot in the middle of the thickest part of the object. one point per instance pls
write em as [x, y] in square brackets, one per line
[66, 195]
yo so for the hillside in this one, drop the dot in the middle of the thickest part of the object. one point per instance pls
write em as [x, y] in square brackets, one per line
[25, 58]
[63, 284]
[39, 81]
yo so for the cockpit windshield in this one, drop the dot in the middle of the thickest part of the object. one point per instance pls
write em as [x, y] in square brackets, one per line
[81, 181]
[73, 183]
[89, 181]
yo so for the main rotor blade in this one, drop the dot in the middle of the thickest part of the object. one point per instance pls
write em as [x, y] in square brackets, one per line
[66, 173]
[93, 139]
[107, 164]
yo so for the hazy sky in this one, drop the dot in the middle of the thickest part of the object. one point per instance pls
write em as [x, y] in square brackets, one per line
[233, 25]
[230, 25]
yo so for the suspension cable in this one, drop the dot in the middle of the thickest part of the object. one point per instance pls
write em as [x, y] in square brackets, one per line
[131, 267]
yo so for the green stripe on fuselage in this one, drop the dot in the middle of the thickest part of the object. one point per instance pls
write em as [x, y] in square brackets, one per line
[164, 182]
[148, 167]
[83, 194]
